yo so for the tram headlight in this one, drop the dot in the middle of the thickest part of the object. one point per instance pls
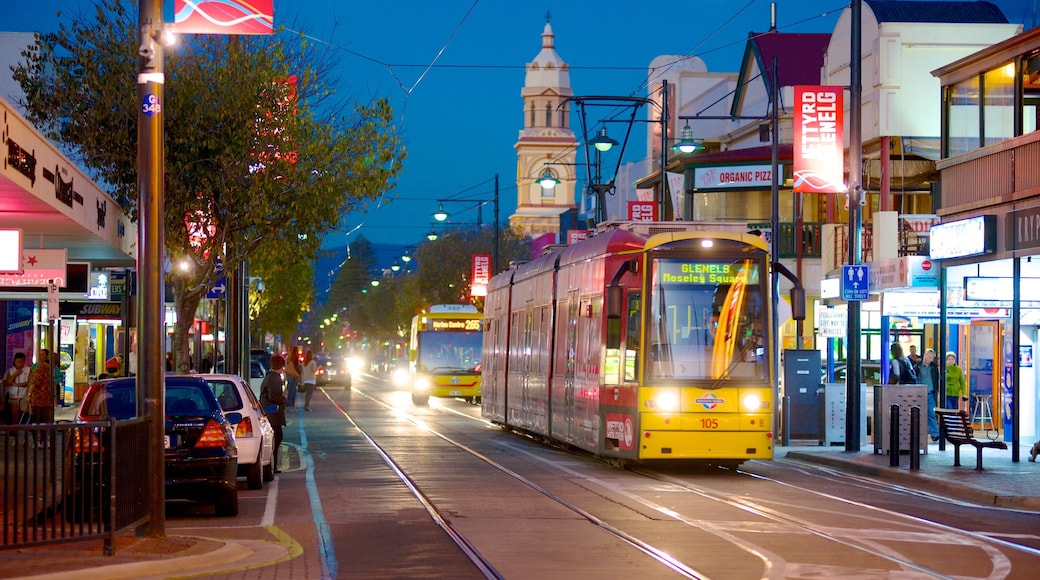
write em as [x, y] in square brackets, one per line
[752, 402]
[666, 401]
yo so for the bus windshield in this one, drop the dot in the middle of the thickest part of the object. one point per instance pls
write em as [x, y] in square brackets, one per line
[708, 320]
[449, 351]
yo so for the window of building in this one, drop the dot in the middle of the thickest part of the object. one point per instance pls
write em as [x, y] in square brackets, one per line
[963, 110]
[548, 114]
[1031, 93]
[998, 106]
[531, 123]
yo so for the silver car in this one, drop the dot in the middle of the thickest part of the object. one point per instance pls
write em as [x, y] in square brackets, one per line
[253, 434]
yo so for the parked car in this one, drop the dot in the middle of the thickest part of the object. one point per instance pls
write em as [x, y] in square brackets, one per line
[257, 371]
[253, 433]
[201, 451]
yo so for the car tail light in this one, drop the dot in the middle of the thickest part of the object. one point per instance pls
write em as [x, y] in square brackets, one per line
[245, 428]
[86, 442]
[212, 436]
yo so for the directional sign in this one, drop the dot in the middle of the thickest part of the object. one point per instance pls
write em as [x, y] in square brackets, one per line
[217, 291]
[854, 283]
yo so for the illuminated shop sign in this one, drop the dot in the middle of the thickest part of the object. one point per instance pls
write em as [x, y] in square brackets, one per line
[971, 237]
[1000, 289]
[733, 176]
[691, 272]
[98, 288]
[10, 251]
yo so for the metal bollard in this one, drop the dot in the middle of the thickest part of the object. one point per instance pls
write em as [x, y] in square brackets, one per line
[893, 436]
[785, 433]
[915, 438]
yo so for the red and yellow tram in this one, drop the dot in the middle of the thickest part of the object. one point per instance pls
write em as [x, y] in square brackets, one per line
[637, 346]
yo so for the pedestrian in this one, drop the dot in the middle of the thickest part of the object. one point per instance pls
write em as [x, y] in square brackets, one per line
[59, 379]
[915, 358]
[309, 376]
[15, 382]
[41, 392]
[956, 386]
[113, 365]
[901, 371]
[292, 376]
[271, 394]
[169, 362]
[929, 376]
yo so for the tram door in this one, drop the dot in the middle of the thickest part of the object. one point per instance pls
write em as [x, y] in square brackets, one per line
[984, 373]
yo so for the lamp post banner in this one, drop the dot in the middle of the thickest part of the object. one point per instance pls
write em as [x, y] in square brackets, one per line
[481, 274]
[819, 160]
[675, 186]
[221, 16]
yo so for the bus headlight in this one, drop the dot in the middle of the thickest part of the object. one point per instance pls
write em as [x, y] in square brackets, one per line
[752, 402]
[666, 401]
[422, 384]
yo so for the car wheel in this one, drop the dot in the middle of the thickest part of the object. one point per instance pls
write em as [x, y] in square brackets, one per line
[255, 475]
[227, 505]
[269, 471]
[420, 400]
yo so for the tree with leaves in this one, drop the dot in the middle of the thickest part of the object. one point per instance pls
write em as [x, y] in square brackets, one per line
[258, 144]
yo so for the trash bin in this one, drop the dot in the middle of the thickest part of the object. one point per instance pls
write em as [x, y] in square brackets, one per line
[834, 413]
[906, 396]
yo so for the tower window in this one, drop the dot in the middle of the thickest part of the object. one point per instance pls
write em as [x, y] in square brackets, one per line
[548, 114]
[531, 123]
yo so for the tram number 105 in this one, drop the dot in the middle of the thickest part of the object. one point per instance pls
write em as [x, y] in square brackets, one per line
[709, 423]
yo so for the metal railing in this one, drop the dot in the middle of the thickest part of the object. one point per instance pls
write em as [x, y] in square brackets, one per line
[66, 482]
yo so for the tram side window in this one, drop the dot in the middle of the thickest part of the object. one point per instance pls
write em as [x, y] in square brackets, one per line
[632, 325]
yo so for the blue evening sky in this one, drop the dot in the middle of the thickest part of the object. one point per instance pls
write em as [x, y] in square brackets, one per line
[461, 117]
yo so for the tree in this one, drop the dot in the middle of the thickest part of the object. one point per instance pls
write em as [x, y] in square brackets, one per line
[258, 144]
[287, 290]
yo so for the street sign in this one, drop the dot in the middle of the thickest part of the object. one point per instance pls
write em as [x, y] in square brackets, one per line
[217, 291]
[854, 283]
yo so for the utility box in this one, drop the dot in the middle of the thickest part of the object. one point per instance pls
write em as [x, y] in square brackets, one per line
[834, 413]
[906, 396]
[801, 386]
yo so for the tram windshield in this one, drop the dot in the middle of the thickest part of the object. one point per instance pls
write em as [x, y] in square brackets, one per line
[449, 351]
[708, 320]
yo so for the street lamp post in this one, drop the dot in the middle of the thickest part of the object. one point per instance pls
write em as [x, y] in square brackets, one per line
[440, 215]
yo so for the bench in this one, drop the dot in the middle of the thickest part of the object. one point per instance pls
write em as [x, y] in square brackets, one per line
[955, 426]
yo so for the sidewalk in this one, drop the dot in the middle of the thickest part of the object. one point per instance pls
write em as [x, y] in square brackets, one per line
[1001, 483]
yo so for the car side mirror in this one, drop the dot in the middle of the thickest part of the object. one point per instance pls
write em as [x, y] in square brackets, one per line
[233, 418]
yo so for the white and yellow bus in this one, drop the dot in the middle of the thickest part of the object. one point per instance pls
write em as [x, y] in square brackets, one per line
[444, 353]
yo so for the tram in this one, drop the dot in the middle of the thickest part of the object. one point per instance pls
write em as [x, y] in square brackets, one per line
[444, 353]
[637, 346]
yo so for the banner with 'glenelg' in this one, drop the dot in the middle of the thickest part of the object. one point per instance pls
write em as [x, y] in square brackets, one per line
[819, 150]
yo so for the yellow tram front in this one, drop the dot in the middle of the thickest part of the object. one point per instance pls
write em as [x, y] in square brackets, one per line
[706, 387]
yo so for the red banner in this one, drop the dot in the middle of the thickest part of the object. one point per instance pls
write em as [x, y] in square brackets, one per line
[223, 17]
[481, 274]
[642, 211]
[819, 149]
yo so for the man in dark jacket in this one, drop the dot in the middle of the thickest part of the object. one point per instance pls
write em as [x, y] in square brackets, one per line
[271, 393]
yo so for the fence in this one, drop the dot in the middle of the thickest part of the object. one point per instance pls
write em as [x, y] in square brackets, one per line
[72, 481]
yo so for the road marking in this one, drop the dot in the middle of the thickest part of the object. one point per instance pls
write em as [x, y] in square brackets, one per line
[329, 565]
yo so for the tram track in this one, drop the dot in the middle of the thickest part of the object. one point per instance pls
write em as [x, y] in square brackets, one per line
[781, 520]
[470, 551]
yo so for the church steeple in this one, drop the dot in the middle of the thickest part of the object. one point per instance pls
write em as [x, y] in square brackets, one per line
[546, 136]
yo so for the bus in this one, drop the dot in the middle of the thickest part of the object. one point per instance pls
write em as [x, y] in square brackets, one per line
[444, 353]
[637, 346]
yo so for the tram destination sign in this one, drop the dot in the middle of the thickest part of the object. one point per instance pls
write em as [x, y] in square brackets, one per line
[694, 272]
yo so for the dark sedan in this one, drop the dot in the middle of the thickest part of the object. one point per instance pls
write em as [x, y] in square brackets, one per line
[201, 455]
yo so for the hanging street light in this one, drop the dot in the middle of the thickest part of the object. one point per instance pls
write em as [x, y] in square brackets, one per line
[440, 215]
[547, 180]
[602, 142]
[687, 144]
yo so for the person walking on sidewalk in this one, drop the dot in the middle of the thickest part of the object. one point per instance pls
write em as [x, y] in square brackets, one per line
[309, 376]
[292, 376]
[15, 382]
[929, 376]
[41, 389]
[956, 387]
[271, 394]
